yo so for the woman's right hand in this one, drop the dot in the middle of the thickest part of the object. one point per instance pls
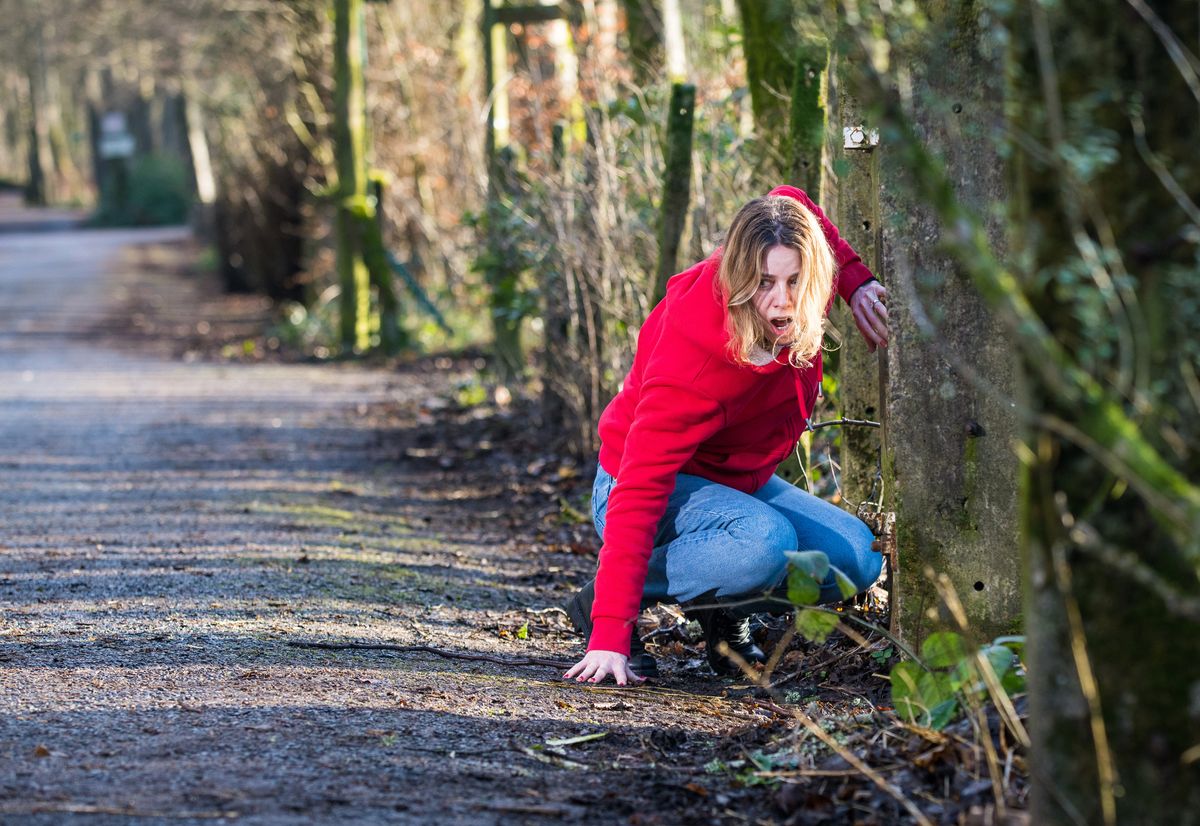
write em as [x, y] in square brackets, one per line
[596, 665]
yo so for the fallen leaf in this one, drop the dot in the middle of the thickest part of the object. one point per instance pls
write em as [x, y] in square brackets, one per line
[41, 751]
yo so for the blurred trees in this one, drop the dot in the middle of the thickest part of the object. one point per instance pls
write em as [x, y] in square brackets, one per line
[1095, 278]
[1110, 254]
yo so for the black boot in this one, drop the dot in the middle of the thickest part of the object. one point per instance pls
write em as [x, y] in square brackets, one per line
[579, 609]
[728, 625]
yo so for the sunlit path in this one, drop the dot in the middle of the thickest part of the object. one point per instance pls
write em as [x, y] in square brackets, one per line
[165, 527]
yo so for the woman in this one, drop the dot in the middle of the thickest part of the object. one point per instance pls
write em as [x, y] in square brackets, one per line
[727, 370]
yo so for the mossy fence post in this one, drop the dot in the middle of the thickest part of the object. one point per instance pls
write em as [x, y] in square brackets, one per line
[677, 177]
[350, 149]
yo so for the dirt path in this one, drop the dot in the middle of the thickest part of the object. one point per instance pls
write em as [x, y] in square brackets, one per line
[167, 525]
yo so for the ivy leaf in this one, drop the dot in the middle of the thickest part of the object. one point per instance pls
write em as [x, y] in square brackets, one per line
[943, 650]
[815, 625]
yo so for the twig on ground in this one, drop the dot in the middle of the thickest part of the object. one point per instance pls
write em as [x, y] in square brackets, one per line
[429, 649]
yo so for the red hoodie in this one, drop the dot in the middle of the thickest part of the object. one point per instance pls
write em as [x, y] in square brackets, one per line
[687, 407]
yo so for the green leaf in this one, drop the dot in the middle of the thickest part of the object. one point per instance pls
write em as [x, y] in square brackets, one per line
[813, 563]
[1001, 659]
[963, 675]
[806, 571]
[941, 714]
[1013, 682]
[905, 698]
[523, 632]
[802, 589]
[934, 689]
[882, 656]
[943, 650]
[844, 583]
[921, 696]
[814, 624]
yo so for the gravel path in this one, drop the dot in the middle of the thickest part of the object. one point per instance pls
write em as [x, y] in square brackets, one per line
[168, 525]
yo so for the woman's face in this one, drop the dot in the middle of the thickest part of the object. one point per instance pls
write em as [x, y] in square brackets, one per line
[774, 299]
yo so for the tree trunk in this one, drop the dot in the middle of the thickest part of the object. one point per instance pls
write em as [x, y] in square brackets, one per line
[12, 140]
[806, 135]
[769, 41]
[673, 42]
[41, 158]
[501, 162]
[204, 180]
[644, 27]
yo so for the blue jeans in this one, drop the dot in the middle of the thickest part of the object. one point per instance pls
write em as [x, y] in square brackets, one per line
[715, 538]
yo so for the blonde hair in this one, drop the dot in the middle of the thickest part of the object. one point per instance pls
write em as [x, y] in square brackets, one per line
[776, 220]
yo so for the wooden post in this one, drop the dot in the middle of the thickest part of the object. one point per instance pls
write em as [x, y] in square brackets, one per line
[391, 334]
[350, 148]
[677, 179]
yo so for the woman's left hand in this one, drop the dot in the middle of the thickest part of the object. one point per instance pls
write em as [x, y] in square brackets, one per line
[868, 303]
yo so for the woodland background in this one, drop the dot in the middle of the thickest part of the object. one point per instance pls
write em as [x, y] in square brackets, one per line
[399, 178]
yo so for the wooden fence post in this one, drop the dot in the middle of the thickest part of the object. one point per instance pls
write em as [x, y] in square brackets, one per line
[350, 148]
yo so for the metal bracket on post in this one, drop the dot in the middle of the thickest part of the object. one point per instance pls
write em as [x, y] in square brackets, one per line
[859, 137]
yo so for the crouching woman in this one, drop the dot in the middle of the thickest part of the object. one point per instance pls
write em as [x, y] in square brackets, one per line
[727, 370]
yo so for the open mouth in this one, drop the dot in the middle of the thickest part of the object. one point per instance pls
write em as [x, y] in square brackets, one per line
[781, 323]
